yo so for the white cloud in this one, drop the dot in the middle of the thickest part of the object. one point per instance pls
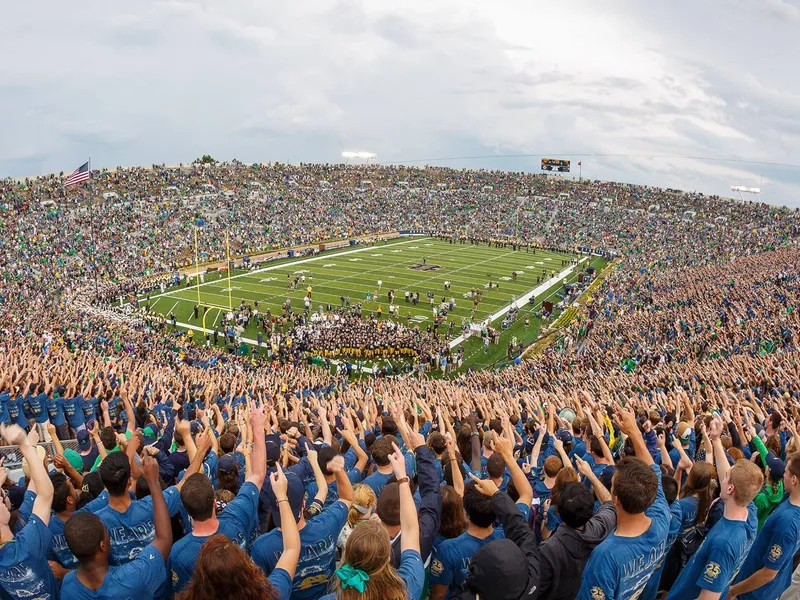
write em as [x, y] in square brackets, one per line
[166, 81]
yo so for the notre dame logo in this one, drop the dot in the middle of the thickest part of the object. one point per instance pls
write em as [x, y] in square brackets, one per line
[775, 552]
[712, 571]
[598, 593]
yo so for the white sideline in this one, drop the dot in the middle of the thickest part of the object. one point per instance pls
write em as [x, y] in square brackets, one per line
[523, 300]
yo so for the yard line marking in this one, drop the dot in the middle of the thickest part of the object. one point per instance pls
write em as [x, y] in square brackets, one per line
[322, 256]
[173, 307]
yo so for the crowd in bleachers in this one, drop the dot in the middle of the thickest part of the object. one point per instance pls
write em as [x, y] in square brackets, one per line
[652, 450]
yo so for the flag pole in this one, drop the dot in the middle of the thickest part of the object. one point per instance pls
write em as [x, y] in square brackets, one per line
[91, 232]
[580, 171]
[196, 267]
[228, 251]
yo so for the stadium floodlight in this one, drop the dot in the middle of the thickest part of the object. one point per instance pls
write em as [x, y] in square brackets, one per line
[741, 189]
[367, 156]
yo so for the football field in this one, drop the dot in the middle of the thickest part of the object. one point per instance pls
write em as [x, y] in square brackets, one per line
[364, 274]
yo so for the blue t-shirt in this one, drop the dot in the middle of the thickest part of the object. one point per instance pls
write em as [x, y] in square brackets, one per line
[675, 519]
[16, 412]
[450, 564]
[59, 551]
[139, 579]
[55, 411]
[38, 406]
[4, 418]
[718, 560]
[91, 408]
[24, 572]
[377, 481]
[620, 567]
[236, 523]
[73, 411]
[134, 529]
[689, 506]
[776, 544]
[317, 552]
[354, 475]
[281, 583]
[411, 570]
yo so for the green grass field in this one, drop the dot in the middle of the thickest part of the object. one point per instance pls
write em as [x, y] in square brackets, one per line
[355, 271]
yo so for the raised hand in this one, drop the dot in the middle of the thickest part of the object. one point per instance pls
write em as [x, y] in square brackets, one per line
[503, 447]
[311, 453]
[336, 464]
[14, 435]
[487, 487]
[280, 485]
[584, 468]
[150, 470]
[627, 421]
[398, 462]
[715, 428]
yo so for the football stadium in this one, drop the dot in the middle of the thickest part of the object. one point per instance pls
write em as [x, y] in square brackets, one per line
[400, 301]
[441, 285]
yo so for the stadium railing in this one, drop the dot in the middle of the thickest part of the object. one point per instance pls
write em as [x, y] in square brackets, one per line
[13, 458]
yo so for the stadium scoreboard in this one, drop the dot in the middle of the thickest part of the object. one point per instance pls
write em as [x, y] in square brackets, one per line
[555, 164]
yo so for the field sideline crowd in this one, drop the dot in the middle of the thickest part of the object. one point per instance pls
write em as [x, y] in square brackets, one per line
[651, 452]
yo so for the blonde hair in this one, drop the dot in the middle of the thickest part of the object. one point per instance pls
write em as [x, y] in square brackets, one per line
[746, 479]
[368, 549]
[363, 497]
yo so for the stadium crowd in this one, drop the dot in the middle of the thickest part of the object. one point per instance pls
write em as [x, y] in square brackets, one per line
[652, 450]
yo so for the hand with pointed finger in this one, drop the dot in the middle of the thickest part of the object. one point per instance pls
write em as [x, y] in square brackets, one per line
[487, 487]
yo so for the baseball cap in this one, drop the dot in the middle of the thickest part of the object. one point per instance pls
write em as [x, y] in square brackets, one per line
[776, 467]
[565, 436]
[74, 459]
[273, 442]
[84, 443]
[227, 463]
[499, 560]
[295, 493]
[150, 434]
[683, 431]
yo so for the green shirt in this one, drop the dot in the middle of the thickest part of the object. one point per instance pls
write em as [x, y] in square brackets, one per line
[99, 458]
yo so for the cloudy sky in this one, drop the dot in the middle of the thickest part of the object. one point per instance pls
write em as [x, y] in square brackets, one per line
[626, 81]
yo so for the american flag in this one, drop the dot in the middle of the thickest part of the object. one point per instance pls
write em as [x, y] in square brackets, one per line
[78, 175]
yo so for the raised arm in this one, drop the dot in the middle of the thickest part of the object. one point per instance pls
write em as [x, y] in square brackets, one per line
[185, 429]
[627, 424]
[506, 449]
[258, 456]
[714, 432]
[196, 464]
[408, 510]
[289, 532]
[455, 470]
[537, 447]
[319, 476]
[163, 526]
[15, 436]
[603, 495]
[514, 525]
